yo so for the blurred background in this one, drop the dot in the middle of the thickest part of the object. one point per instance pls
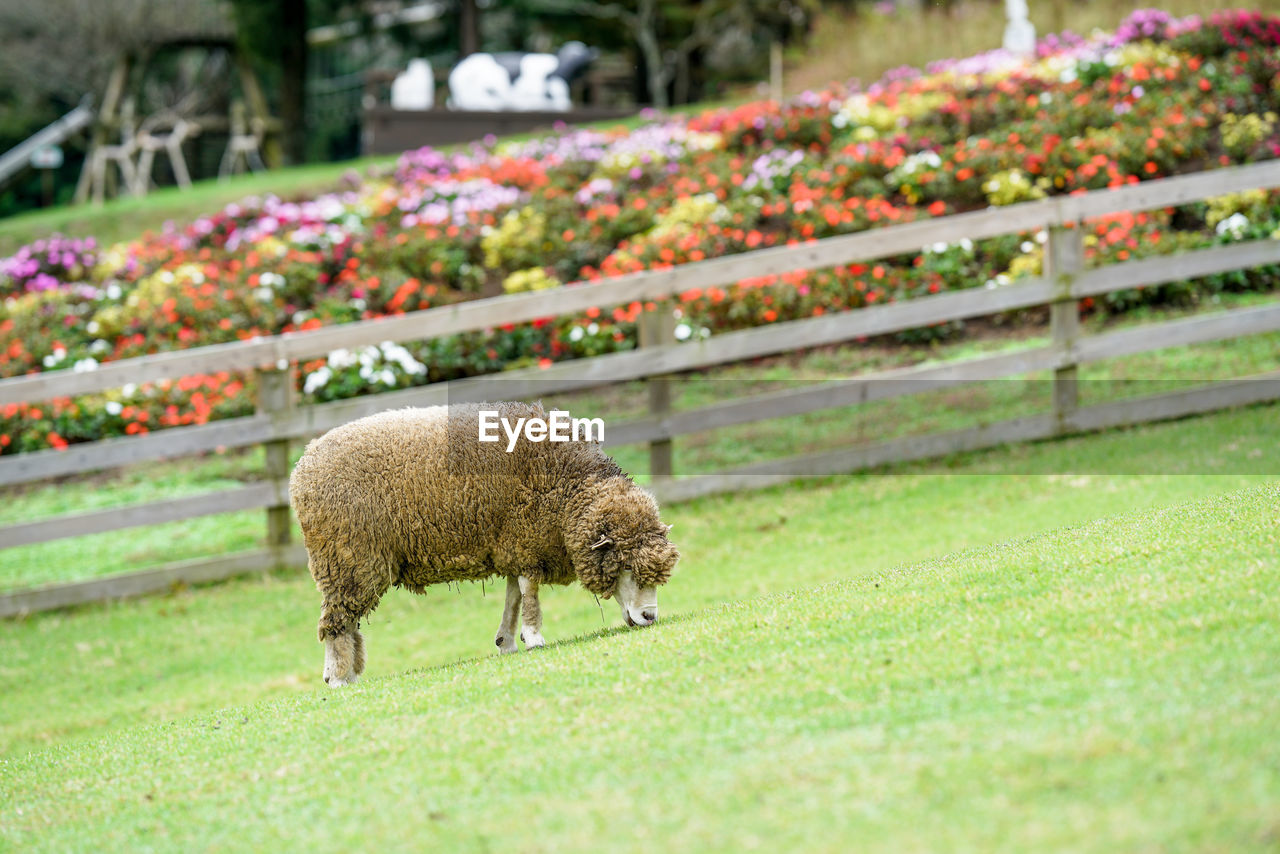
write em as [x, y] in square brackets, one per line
[302, 74]
[194, 88]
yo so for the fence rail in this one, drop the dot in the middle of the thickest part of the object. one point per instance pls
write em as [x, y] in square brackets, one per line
[280, 421]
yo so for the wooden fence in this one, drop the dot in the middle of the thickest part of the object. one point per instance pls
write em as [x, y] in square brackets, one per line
[280, 421]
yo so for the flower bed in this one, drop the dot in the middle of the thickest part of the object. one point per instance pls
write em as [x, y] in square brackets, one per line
[1157, 97]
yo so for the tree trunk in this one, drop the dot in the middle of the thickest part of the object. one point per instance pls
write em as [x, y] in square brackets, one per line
[293, 79]
[651, 50]
[468, 28]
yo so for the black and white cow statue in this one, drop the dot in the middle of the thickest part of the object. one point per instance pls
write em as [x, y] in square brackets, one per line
[518, 81]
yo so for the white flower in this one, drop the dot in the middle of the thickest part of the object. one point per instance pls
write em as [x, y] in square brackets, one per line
[683, 331]
[113, 291]
[339, 359]
[1234, 226]
[576, 333]
[82, 365]
[318, 380]
[113, 407]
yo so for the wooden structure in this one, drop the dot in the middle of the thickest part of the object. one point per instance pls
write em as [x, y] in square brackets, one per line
[280, 420]
[19, 157]
[389, 131]
[115, 119]
[163, 134]
[244, 147]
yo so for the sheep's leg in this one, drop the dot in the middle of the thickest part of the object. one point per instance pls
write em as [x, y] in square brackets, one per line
[505, 639]
[348, 596]
[531, 634]
[343, 658]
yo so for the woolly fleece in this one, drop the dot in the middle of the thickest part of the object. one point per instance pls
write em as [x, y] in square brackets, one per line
[411, 497]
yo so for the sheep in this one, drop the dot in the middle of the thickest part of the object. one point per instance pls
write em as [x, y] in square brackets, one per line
[412, 497]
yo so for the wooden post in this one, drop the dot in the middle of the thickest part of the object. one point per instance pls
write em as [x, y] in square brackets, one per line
[104, 122]
[657, 328]
[276, 398]
[259, 112]
[775, 71]
[1063, 262]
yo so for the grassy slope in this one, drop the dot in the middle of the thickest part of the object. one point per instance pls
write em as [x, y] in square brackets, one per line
[847, 44]
[163, 658]
[127, 218]
[1102, 687]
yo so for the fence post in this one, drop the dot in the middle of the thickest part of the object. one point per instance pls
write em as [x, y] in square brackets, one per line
[1063, 262]
[657, 328]
[276, 398]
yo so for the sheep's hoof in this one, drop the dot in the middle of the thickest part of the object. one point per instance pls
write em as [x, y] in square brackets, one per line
[532, 639]
[505, 644]
[343, 660]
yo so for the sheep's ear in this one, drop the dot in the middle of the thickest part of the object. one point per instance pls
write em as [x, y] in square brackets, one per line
[669, 527]
[603, 541]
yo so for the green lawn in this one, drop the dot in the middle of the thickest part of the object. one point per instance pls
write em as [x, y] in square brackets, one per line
[126, 218]
[1106, 686]
[165, 657]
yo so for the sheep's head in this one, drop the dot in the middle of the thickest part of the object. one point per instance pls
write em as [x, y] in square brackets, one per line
[622, 551]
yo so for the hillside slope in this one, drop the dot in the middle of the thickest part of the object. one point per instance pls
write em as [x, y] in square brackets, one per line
[1100, 687]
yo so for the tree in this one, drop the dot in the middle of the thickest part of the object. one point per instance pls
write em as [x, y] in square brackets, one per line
[61, 50]
[55, 52]
[275, 31]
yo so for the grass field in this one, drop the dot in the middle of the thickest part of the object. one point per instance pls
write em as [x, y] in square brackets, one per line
[162, 658]
[1108, 685]
[1069, 645]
